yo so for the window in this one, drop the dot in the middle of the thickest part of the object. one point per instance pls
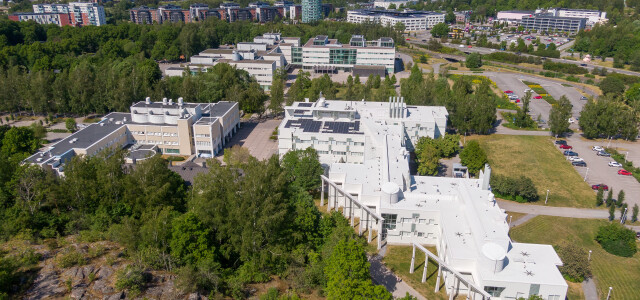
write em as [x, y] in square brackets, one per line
[407, 220]
[554, 297]
[494, 291]
[420, 234]
[421, 221]
[534, 289]
[389, 221]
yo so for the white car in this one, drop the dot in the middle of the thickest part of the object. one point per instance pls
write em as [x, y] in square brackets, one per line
[597, 148]
[571, 121]
[575, 158]
[615, 164]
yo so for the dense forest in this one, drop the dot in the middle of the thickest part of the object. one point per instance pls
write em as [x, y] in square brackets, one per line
[621, 41]
[52, 70]
[239, 223]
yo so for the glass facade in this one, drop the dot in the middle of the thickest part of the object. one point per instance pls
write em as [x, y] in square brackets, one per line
[296, 55]
[311, 11]
[342, 56]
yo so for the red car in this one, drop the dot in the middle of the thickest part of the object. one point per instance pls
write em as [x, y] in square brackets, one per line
[565, 146]
[598, 186]
[508, 92]
[537, 97]
[624, 172]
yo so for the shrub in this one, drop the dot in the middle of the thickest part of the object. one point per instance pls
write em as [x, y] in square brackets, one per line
[575, 262]
[564, 68]
[617, 240]
[131, 278]
[473, 157]
[70, 257]
[520, 189]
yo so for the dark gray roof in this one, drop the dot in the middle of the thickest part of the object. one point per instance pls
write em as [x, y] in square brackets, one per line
[188, 171]
[220, 108]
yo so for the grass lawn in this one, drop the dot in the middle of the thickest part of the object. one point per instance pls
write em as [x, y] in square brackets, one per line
[537, 158]
[398, 259]
[621, 273]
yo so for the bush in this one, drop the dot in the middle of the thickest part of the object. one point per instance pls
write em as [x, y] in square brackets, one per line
[70, 257]
[617, 240]
[131, 278]
[473, 156]
[520, 189]
[575, 260]
[564, 68]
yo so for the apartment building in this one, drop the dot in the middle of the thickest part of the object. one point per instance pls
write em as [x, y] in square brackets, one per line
[412, 20]
[73, 14]
[547, 23]
[364, 147]
[228, 11]
[178, 128]
[386, 3]
[311, 11]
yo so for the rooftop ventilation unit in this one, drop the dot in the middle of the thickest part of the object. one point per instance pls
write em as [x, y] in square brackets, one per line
[147, 100]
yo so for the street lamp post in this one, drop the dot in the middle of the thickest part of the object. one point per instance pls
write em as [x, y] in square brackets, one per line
[510, 217]
[585, 175]
[589, 255]
[609, 294]
[625, 156]
[622, 217]
[547, 198]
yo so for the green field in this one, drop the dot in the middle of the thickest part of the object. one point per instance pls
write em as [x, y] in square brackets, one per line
[537, 158]
[398, 259]
[623, 274]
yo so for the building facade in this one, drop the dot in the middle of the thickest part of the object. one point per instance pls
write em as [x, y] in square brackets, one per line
[364, 147]
[311, 11]
[548, 23]
[173, 128]
[513, 17]
[321, 51]
[386, 3]
[73, 14]
[412, 20]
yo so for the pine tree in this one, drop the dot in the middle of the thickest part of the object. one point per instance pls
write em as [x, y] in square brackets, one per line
[612, 213]
[610, 198]
[634, 215]
[599, 196]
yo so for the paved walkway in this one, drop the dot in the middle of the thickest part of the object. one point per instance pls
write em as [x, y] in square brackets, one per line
[567, 212]
[523, 220]
[381, 275]
[589, 288]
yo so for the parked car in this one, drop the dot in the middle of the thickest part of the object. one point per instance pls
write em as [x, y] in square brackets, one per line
[598, 186]
[584, 98]
[570, 153]
[624, 172]
[561, 142]
[537, 97]
[615, 164]
[571, 121]
[508, 92]
[575, 158]
[579, 163]
[583, 65]
[603, 153]
[566, 147]
[597, 148]
[528, 90]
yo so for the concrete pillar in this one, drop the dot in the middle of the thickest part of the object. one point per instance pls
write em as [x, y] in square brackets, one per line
[455, 279]
[438, 279]
[351, 215]
[368, 228]
[322, 192]
[424, 271]
[413, 259]
[379, 234]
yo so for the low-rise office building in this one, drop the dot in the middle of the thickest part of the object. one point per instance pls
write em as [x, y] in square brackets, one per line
[412, 20]
[593, 16]
[173, 128]
[513, 17]
[548, 22]
[364, 147]
[322, 53]
[384, 4]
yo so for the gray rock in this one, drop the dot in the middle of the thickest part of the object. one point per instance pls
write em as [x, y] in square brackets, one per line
[116, 296]
[104, 272]
[78, 292]
[46, 285]
[102, 286]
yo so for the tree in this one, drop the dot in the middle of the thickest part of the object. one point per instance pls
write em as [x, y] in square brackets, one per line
[634, 215]
[611, 85]
[620, 199]
[575, 262]
[608, 117]
[559, 116]
[428, 160]
[473, 156]
[399, 27]
[612, 212]
[70, 123]
[474, 60]
[600, 196]
[610, 197]
[450, 17]
[522, 119]
[304, 168]
[440, 30]
[277, 97]
[617, 240]
[191, 240]
[19, 140]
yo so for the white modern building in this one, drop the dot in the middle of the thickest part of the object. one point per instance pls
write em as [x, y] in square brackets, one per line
[364, 147]
[172, 128]
[322, 53]
[593, 16]
[386, 3]
[513, 17]
[412, 20]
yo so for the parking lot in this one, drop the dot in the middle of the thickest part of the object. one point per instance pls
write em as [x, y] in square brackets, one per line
[600, 172]
[254, 136]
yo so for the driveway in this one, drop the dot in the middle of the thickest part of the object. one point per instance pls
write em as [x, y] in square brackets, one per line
[254, 136]
[600, 172]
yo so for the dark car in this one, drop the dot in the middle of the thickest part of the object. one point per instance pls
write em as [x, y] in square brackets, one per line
[579, 163]
[583, 65]
[561, 142]
[638, 234]
[598, 186]
[570, 153]
[603, 153]
[584, 98]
